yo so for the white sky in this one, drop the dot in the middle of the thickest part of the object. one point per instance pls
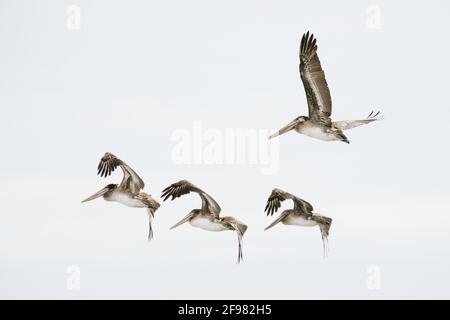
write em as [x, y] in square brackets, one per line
[135, 72]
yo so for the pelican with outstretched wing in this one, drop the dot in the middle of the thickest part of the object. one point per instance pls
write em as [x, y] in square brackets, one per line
[318, 123]
[301, 215]
[208, 217]
[128, 192]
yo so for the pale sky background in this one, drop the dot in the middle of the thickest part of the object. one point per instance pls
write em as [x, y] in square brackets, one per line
[137, 71]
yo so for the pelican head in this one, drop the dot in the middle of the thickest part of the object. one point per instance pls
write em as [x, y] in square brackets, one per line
[289, 126]
[105, 190]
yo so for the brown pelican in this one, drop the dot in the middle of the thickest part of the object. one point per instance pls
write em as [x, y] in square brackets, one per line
[206, 218]
[301, 215]
[128, 191]
[318, 123]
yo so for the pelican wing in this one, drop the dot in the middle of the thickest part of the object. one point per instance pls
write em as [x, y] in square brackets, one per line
[277, 196]
[349, 124]
[274, 202]
[240, 229]
[313, 77]
[131, 181]
[302, 206]
[324, 224]
[175, 190]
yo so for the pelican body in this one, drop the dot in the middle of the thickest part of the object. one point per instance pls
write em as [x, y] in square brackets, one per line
[206, 222]
[208, 217]
[127, 198]
[299, 220]
[301, 215]
[318, 123]
[128, 191]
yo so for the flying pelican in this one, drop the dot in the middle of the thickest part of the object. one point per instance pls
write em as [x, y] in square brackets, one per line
[206, 218]
[301, 215]
[318, 124]
[128, 191]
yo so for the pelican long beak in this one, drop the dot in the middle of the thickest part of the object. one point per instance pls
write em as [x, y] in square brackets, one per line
[96, 195]
[285, 129]
[184, 220]
[177, 224]
[270, 225]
